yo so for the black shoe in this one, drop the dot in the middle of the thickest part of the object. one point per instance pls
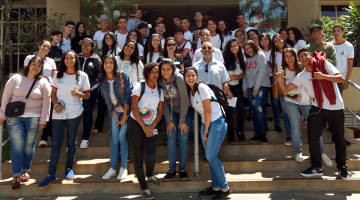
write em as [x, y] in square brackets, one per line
[169, 175]
[241, 136]
[264, 140]
[269, 105]
[312, 171]
[278, 129]
[208, 192]
[183, 175]
[266, 128]
[222, 195]
[288, 141]
[344, 173]
[249, 118]
[128, 158]
[270, 119]
[348, 143]
[119, 156]
[255, 139]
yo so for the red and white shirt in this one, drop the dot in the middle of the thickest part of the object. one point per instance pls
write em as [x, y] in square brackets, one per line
[121, 38]
[344, 52]
[248, 28]
[298, 95]
[215, 41]
[188, 36]
[49, 66]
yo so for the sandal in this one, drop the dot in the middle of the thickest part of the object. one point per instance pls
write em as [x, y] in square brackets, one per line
[25, 177]
[109, 132]
[16, 183]
[94, 131]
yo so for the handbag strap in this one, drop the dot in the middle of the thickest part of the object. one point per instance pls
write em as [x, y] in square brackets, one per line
[28, 94]
[137, 71]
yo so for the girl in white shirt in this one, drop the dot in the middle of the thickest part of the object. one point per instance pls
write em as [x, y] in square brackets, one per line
[240, 35]
[136, 35]
[296, 39]
[155, 49]
[253, 35]
[213, 130]
[110, 45]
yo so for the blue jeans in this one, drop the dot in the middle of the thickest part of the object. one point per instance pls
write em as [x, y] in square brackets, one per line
[340, 88]
[216, 135]
[183, 139]
[118, 137]
[285, 116]
[293, 112]
[275, 106]
[58, 131]
[88, 105]
[22, 133]
[257, 107]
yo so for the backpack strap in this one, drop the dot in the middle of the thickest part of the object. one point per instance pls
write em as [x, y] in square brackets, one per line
[221, 41]
[142, 91]
[122, 85]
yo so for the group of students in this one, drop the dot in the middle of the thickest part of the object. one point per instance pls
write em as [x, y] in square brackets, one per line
[70, 74]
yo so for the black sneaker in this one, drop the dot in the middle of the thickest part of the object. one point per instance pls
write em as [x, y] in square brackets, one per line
[266, 128]
[183, 175]
[255, 139]
[147, 194]
[241, 136]
[344, 173]
[222, 195]
[312, 171]
[288, 141]
[278, 129]
[249, 118]
[348, 143]
[208, 192]
[270, 119]
[119, 156]
[169, 175]
[264, 139]
[128, 158]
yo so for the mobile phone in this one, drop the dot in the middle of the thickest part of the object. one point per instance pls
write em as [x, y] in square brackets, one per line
[155, 132]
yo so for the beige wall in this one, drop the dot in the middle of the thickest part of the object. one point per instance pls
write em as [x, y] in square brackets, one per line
[300, 13]
[70, 7]
[351, 96]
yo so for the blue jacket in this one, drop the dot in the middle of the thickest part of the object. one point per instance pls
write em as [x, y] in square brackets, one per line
[105, 91]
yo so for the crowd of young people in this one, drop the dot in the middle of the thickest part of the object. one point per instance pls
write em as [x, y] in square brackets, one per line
[140, 77]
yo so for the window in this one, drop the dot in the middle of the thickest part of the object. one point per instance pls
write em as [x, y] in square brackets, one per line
[333, 11]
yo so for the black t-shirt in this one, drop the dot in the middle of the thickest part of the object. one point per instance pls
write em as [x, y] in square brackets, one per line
[56, 54]
[195, 31]
[75, 43]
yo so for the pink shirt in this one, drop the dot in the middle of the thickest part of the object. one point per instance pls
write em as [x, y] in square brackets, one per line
[38, 102]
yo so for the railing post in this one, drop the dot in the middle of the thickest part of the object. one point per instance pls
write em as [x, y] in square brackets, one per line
[1, 146]
[196, 143]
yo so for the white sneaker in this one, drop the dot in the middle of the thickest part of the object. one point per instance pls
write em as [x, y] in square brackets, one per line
[326, 160]
[122, 173]
[299, 157]
[110, 173]
[42, 143]
[84, 144]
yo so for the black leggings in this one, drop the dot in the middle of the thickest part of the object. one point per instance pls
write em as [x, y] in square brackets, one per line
[48, 128]
[102, 108]
[240, 107]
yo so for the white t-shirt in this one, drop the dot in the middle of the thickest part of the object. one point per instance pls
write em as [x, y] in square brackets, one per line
[130, 69]
[49, 66]
[149, 102]
[268, 68]
[248, 28]
[113, 98]
[204, 92]
[235, 72]
[226, 38]
[66, 45]
[121, 38]
[187, 45]
[73, 105]
[299, 95]
[304, 78]
[98, 38]
[344, 52]
[215, 41]
[278, 60]
[188, 36]
[141, 50]
[115, 52]
[217, 55]
[300, 43]
[154, 58]
[162, 42]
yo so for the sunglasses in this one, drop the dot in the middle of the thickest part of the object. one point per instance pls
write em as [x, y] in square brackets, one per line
[170, 45]
[207, 48]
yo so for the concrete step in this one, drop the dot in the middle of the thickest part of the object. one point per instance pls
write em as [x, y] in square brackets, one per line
[239, 182]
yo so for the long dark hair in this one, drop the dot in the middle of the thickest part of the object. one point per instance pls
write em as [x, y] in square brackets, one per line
[166, 61]
[62, 67]
[77, 34]
[268, 37]
[151, 48]
[196, 86]
[298, 36]
[253, 46]
[113, 46]
[102, 70]
[26, 69]
[298, 67]
[166, 54]
[216, 22]
[91, 41]
[139, 38]
[230, 61]
[242, 32]
[274, 49]
[135, 56]
[226, 31]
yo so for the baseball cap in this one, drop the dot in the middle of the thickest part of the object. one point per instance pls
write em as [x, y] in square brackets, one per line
[104, 17]
[314, 26]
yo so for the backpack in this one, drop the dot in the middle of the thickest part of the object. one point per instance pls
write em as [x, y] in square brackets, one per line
[187, 58]
[221, 41]
[142, 84]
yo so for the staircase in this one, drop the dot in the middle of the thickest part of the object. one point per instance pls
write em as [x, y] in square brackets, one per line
[250, 168]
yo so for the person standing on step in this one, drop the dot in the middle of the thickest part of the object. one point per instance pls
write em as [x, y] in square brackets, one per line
[160, 30]
[136, 35]
[296, 39]
[100, 34]
[55, 52]
[196, 28]
[116, 90]
[241, 20]
[319, 79]
[223, 28]
[278, 45]
[133, 23]
[253, 35]
[213, 131]
[183, 47]
[185, 24]
[284, 33]
[217, 40]
[90, 63]
[240, 35]
[297, 101]
[110, 45]
[69, 86]
[27, 86]
[146, 112]
[178, 116]
[80, 35]
[121, 33]
[205, 37]
[65, 43]
[155, 48]
[255, 84]
[235, 66]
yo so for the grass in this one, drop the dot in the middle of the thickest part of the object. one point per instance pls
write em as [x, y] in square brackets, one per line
[6, 148]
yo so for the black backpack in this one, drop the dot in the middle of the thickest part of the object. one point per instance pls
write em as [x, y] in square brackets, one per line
[143, 90]
[187, 58]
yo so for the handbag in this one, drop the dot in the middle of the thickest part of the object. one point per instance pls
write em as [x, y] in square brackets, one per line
[274, 88]
[17, 108]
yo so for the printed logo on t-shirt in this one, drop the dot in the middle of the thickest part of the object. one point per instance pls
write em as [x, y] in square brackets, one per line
[295, 97]
[250, 65]
[147, 114]
[116, 104]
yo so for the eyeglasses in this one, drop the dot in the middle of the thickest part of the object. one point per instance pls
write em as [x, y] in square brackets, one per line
[207, 68]
[87, 46]
[207, 48]
[170, 45]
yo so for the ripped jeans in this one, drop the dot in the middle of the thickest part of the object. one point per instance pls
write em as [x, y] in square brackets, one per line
[257, 106]
[22, 132]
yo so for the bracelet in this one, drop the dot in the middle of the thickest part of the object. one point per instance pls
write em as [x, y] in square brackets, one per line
[55, 106]
[154, 123]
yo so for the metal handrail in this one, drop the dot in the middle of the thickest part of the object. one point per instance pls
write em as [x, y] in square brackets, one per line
[196, 143]
[354, 85]
[1, 138]
[350, 111]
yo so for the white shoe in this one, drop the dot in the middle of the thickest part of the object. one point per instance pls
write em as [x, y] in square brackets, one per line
[42, 143]
[84, 144]
[326, 160]
[299, 157]
[122, 173]
[110, 173]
